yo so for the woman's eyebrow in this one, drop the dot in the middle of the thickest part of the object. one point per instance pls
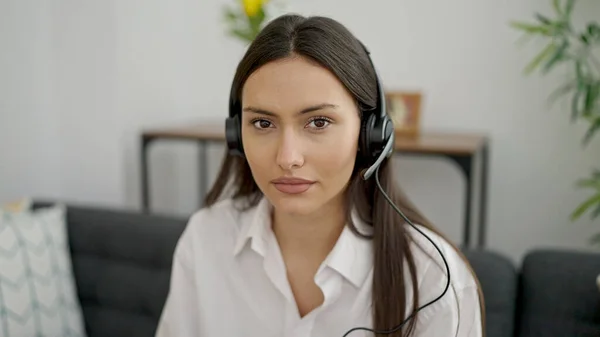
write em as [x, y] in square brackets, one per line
[303, 111]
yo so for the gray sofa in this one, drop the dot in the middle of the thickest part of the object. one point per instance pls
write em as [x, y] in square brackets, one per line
[122, 260]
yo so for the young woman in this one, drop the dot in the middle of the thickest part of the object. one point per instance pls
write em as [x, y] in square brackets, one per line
[294, 241]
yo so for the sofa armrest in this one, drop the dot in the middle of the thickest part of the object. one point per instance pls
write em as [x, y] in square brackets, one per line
[558, 294]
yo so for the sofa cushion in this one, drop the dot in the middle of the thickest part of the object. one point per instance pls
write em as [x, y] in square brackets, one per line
[558, 294]
[122, 264]
[498, 278]
[38, 294]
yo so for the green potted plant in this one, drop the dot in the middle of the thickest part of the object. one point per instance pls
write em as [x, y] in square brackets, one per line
[574, 49]
[245, 18]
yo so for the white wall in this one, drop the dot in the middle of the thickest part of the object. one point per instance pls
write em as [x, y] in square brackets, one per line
[80, 79]
[29, 151]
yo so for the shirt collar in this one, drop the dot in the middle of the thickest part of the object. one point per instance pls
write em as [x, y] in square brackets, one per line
[255, 227]
[352, 255]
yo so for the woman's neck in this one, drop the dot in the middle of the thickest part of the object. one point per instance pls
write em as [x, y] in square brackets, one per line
[310, 236]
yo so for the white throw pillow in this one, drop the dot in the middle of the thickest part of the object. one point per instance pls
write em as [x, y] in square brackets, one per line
[38, 295]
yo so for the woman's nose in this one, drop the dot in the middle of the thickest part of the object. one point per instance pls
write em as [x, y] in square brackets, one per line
[289, 152]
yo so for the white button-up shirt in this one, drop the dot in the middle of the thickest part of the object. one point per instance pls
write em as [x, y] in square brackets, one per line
[229, 280]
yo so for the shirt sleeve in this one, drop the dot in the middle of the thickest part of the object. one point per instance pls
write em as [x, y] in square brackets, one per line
[180, 313]
[457, 314]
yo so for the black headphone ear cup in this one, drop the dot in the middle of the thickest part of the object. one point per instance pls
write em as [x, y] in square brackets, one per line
[233, 134]
[387, 131]
[365, 136]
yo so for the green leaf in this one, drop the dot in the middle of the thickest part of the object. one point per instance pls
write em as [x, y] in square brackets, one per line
[556, 5]
[589, 183]
[524, 39]
[585, 206]
[591, 95]
[262, 14]
[256, 21]
[569, 8]
[558, 55]
[575, 106]
[596, 212]
[543, 19]
[230, 15]
[591, 132]
[547, 51]
[579, 71]
[596, 30]
[531, 28]
[592, 32]
[561, 91]
[244, 35]
[579, 91]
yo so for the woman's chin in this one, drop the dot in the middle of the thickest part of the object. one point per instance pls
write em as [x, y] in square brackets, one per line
[293, 205]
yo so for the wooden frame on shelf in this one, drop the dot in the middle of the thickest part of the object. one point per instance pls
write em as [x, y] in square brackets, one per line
[404, 108]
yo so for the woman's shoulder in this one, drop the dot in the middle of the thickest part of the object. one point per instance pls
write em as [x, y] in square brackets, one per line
[426, 246]
[461, 302]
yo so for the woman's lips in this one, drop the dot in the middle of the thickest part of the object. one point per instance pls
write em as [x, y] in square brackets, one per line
[291, 185]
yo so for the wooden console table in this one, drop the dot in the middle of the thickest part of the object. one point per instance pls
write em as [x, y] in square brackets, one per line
[460, 148]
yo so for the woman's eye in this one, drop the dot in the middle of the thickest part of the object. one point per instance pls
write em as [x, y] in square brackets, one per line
[262, 124]
[319, 123]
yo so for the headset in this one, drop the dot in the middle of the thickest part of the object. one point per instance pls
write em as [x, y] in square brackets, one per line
[376, 142]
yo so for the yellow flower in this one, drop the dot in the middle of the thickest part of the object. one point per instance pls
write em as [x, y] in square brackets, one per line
[252, 6]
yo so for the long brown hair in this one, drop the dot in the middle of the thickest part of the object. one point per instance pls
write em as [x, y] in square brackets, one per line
[327, 42]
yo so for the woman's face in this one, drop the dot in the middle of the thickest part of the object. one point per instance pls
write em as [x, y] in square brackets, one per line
[300, 130]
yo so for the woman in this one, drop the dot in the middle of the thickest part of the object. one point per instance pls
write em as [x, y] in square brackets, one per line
[293, 241]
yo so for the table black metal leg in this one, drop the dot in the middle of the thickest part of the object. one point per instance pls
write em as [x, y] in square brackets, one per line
[483, 196]
[466, 165]
[202, 170]
[144, 174]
